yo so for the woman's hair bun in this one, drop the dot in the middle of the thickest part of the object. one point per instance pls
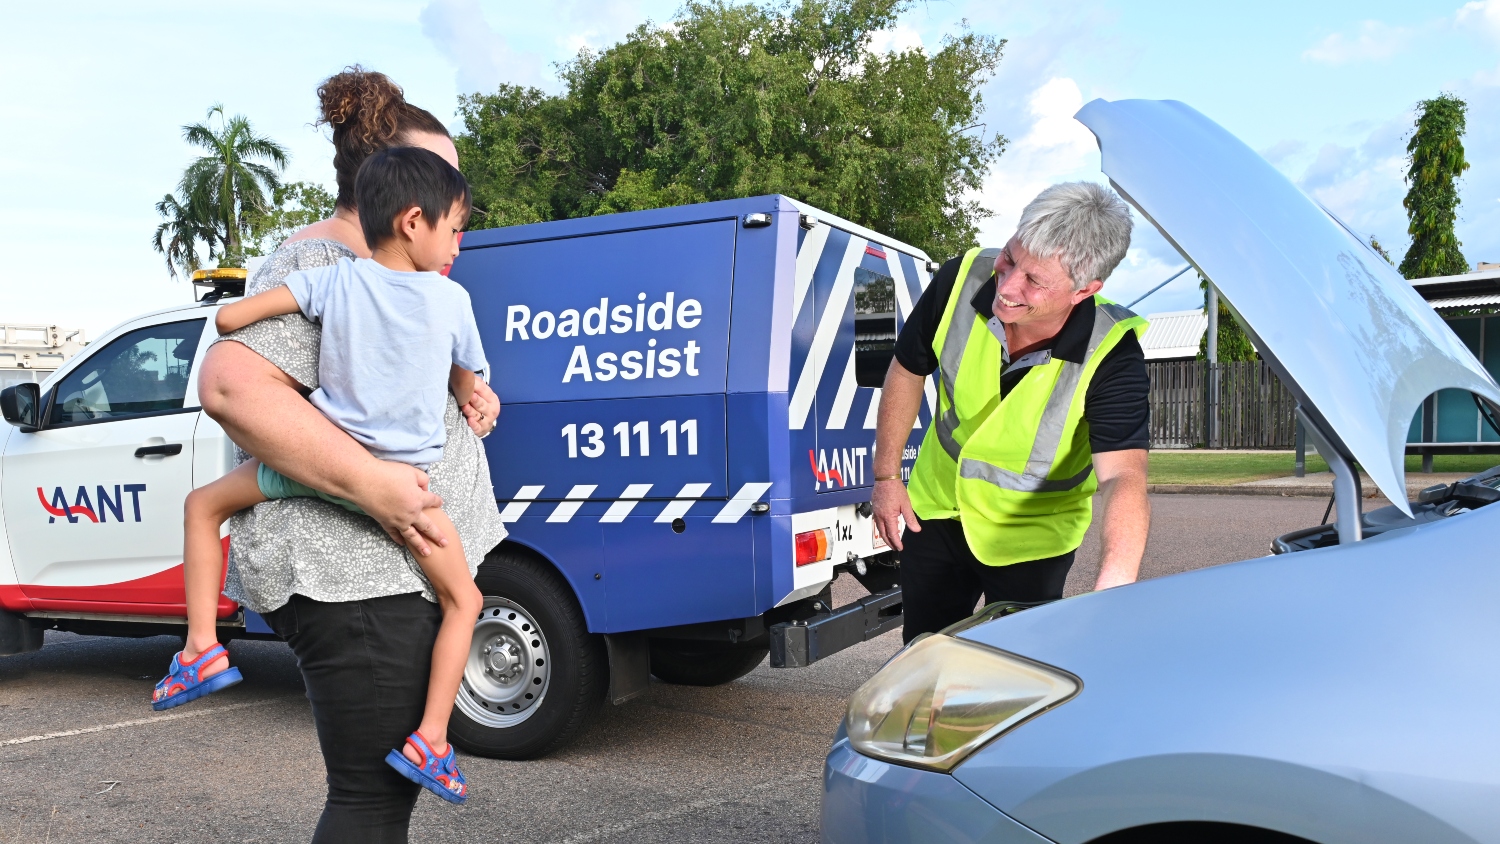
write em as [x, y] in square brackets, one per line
[364, 104]
[368, 113]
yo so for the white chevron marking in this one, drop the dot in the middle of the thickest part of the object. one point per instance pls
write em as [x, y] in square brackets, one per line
[679, 506]
[873, 414]
[807, 264]
[844, 399]
[626, 502]
[574, 499]
[827, 331]
[903, 301]
[517, 507]
[736, 507]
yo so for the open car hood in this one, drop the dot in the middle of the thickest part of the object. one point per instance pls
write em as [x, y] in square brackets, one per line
[1342, 329]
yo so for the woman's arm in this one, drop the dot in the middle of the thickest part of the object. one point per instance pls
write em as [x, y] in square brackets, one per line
[274, 302]
[262, 410]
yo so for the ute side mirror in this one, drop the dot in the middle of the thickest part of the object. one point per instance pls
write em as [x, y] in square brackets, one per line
[21, 406]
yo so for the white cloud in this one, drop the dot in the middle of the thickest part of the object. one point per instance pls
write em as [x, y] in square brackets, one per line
[899, 39]
[1373, 41]
[1282, 150]
[1364, 184]
[1053, 148]
[482, 57]
[1483, 15]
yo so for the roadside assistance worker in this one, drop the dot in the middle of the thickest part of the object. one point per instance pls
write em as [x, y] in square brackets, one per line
[1042, 401]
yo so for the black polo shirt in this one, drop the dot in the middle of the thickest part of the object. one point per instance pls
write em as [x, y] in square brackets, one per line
[1115, 406]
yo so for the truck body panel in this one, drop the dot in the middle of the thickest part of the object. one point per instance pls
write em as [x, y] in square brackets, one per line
[684, 390]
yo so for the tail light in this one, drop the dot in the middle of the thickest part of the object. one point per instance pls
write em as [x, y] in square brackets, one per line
[812, 547]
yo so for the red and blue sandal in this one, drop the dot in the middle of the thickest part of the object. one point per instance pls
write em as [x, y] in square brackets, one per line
[438, 774]
[184, 683]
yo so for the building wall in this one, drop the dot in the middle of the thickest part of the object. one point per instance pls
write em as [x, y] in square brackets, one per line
[1456, 418]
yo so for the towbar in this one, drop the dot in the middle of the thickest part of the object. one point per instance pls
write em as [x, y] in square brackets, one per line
[799, 643]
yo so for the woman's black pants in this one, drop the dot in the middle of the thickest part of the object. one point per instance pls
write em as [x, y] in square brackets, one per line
[365, 664]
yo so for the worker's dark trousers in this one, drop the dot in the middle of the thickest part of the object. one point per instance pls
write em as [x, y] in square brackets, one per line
[941, 579]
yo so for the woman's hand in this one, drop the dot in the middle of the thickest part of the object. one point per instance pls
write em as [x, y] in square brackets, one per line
[483, 410]
[395, 494]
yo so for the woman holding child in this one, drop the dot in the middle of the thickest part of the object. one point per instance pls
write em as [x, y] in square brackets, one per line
[354, 606]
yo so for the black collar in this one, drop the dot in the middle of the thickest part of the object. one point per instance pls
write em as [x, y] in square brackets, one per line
[1070, 344]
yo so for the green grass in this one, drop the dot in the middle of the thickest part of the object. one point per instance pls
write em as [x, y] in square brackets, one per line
[1168, 468]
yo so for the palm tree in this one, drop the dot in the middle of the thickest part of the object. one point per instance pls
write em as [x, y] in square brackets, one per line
[231, 182]
[177, 237]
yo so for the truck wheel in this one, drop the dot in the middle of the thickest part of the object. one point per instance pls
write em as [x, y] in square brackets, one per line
[535, 674]
[690, 663]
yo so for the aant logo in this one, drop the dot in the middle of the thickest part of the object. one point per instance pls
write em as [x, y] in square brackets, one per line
[847, 466]
[83, 507]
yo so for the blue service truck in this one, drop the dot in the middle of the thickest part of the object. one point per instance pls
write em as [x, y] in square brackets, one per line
[684, 456]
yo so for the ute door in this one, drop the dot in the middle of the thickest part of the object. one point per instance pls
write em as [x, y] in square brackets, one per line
[93, 500]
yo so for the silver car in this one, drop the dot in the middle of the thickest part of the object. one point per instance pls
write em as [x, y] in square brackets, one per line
[1344, 690]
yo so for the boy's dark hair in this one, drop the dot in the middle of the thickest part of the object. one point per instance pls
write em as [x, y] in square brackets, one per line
[398, 178]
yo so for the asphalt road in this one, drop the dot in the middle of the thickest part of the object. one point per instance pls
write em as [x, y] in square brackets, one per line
[84, 759]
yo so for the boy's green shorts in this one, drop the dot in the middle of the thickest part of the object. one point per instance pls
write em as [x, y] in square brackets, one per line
[273, 484]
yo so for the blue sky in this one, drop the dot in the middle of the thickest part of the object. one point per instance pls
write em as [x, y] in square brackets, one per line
[95, 93]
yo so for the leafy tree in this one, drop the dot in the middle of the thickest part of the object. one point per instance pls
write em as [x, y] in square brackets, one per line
[293, 205]
[219, 192]
[735, 100]
[1380, 250]
[1234, 344]
[1436, 156]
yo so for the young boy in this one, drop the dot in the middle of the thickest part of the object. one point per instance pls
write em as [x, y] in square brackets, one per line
[396, 335]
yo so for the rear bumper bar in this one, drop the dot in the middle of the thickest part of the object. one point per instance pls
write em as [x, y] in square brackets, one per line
[802, 642]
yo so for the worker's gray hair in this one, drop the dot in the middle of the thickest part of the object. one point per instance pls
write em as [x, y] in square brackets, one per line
[1082, 224]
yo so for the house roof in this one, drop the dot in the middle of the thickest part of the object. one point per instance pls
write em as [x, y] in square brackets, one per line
[1174, 334]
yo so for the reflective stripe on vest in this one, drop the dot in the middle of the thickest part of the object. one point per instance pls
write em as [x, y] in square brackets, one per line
[1054, 421]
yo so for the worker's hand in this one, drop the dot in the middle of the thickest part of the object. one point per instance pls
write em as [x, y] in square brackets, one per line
[396, 495]
[892, 504]
[483, 410]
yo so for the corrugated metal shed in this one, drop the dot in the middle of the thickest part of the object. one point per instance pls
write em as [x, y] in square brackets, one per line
[1174, 334]
[1463, 302]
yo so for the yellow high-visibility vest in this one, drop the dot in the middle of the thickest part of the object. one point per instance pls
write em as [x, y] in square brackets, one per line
[1018, 471]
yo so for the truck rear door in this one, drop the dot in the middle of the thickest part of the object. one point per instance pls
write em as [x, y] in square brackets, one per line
[610, 354]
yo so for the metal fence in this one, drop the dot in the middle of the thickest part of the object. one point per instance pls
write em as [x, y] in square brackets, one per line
[1195, 404]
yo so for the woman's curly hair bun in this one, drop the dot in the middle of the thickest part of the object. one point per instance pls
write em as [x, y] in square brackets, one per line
[368, 112]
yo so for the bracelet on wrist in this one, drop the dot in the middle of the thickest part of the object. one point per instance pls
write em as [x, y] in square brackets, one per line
[879, 478]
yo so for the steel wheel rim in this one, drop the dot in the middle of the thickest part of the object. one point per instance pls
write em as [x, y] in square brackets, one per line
[509, 667]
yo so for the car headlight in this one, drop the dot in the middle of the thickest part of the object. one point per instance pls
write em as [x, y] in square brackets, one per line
[943, 698]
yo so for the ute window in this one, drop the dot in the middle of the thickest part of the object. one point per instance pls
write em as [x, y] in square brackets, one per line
[874, 326]
[145, 371]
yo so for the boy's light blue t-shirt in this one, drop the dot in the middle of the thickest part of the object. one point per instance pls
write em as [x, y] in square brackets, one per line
[389, 339]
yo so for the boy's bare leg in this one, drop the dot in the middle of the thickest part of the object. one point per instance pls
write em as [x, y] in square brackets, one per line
[448, 572]
[203, 554]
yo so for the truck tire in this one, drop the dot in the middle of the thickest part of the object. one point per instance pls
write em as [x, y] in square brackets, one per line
[691, 663]
[535, 674]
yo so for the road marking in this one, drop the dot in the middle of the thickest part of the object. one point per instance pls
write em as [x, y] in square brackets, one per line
[139, 722]
[613, 830]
